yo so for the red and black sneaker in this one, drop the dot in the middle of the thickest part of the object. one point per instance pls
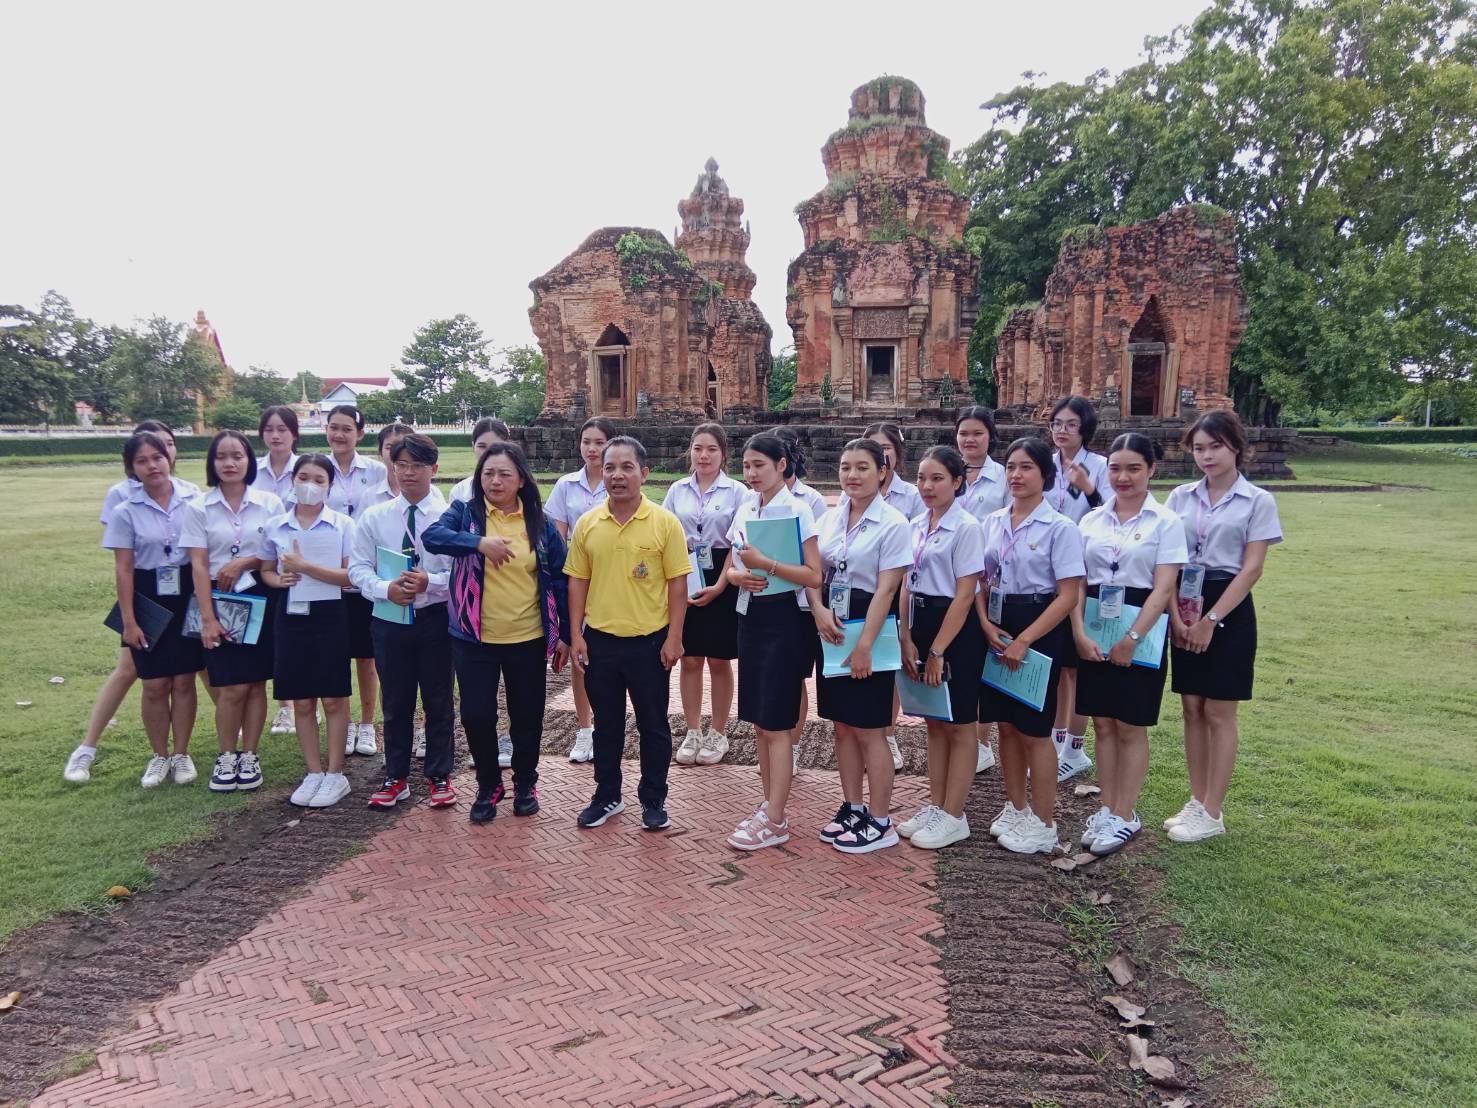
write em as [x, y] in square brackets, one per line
[442, 794]
[484, 808]
[391, 793]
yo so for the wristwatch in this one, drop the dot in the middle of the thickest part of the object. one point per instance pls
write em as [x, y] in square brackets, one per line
[1214, 618]
[1134, 635]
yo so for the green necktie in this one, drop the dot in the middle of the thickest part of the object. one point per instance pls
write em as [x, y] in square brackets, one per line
[407, 545]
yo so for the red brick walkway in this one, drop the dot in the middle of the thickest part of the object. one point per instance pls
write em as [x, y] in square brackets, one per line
[531, 963]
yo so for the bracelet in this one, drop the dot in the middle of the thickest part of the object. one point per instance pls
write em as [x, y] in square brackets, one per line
[934, 654]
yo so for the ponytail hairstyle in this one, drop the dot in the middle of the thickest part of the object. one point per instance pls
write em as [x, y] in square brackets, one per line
[979, 413]
[391, 431]
[212, 479]
[286, 415]
[1146, 448]
[1224, 427]
[773, 447]
[528, 494]
[868, 446]
[164, 431]
[136, 442]
[794, 450]
[951, 460]
[352, 412]
[490, 423]
[719, 435]
[322, 461]
[1039, 451]
[893, 434]
[601, 424]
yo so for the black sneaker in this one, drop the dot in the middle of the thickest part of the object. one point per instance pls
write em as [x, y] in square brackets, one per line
[653, 817]
[845, 820]
[484, 808]
[597, 813]
[866, 836]
[525, 800]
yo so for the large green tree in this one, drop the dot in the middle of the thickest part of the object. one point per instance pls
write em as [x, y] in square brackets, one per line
[34, 387]
[521, 381]
[441, 353]
[1338, 133]
[163, 366]
[782, 380]
[262, 388]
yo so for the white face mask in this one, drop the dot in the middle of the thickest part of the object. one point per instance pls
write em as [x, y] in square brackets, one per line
[308, 493]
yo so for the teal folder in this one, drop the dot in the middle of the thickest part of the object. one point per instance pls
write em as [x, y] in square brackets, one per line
[887, 655]
[241, 614]
[778, 539]
[924, 701]
[1028, 684]
[1107, 633]
[388, 566]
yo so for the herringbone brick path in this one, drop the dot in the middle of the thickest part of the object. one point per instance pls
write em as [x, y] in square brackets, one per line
[530, 963]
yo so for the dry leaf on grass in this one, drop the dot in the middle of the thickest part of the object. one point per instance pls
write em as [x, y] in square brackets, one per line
[1102, 899]
[1120, 968]
[1086, 858]
[1128, 1025]
[120, 892]
[1178, 1102]
[1127, 1009]
[1138, 1050]
[9, 1001]
[1067, 864]
[1086, 790]
[1159, 1068]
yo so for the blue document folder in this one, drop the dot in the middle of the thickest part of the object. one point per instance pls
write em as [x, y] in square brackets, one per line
[1107, 633]
[887, 655]
[924, 701]
[778, 539]
[1028, 684]
[241, 614]
[388, 566]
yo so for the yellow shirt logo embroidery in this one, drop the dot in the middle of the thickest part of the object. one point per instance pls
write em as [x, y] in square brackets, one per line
[640, 571]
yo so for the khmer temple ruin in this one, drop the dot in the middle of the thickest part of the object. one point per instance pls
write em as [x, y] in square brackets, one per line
[883, 298]
[1142, 320]
[632, 326]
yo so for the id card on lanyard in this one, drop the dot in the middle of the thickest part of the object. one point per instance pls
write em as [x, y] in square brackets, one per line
[702, 549]
[166, 578]
[995, 604]
[838, 589]
[1110, 597]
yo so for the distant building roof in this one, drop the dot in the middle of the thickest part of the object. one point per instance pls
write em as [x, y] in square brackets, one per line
[331, 383]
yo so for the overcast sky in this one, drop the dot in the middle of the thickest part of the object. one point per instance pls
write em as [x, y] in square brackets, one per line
[323, 178]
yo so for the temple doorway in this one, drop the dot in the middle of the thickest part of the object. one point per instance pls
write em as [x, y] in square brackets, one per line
[612, 372]
[881, 368]
[713, 407]
[1147, 351]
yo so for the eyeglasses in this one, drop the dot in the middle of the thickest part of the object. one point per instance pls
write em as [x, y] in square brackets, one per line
[409, 467]
[1063, 425]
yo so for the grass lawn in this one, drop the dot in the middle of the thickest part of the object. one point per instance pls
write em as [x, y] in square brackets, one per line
[1336, 924]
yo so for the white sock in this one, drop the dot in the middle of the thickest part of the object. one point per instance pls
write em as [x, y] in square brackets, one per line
[1077, 741]
[892, 738]
[90, 751]
[585, 733]
[1059, 737]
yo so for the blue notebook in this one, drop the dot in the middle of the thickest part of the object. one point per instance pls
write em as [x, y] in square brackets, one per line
[887, 655]
[778, 539]
[388, 566]
[924, 701]
[1108, 632]
[1029, 684]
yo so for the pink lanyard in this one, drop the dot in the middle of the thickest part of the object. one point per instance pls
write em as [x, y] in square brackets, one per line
[846, 539]
[167, 536]
[238, 520]
[1204, 519]
[1119, 531]
[1061, 481]
[348, 482]
[702, 503]
[1006, 550]
[920, 544]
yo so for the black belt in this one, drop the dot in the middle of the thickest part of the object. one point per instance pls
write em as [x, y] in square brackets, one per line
[1030, 597]
[1218, 575]
[921, 601]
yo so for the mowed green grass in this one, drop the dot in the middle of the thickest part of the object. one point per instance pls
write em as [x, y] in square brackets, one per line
[1336, 924]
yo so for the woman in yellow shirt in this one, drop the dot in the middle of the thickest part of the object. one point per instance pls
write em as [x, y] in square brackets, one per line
[509, 616]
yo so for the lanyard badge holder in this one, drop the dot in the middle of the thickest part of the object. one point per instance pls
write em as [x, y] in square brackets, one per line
[838, 592]
[995, 605]
[1191, 599]
[166, 579]
[703, 552]
[1110, 601]
[742, 604]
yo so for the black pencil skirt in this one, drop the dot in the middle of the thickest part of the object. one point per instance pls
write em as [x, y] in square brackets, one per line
[965, 656]
[776, 648]
[995, 706]
[712, 630]
[311, 652]
[1129, 694]
[173, 654]
[359, 612]
[857, 702]
[234, 663]
[1226, 669]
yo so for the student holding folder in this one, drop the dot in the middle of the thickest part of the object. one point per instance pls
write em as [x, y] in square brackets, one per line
[865, 545]
[1134, 548]
[305, 553]
[904, 497]
[942, 642]
[1033, 570]
[774, 634]
[412, 647]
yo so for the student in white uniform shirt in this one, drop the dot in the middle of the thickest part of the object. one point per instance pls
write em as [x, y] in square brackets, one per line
[904, 497]
[1134, 548]
[704, 503]
[151, 564]
[485, 432]
[1081, 485]
[223, 533]
[278, 431]
[865, 546]
[1229, 526]
[795, 482]
[355, 478]
[984, 493]
[416, 656]
[1032, 579]
[388, 487]
[575, 494]
[310, 644]
[776, 646]
[110, 696]
[943, 643]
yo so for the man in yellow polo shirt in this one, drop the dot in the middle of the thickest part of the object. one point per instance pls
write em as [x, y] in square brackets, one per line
[628, 570]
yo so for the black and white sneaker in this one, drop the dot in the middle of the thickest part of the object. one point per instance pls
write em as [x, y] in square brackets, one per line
[846, 819]
[248, 772]
[654, 817]
[597, 813]
[223, 777]
[866, 836]
[1114, 833]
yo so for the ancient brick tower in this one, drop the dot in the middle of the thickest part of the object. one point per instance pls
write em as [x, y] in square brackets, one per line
[882, 301]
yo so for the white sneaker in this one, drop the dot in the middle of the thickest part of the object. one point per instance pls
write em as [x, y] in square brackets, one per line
[897, 755]
[945, 830]
[334, 788]
[1192, 806]
[79, 766]
[584, 745]
[1115, 833]
[687, 753]
[304, 793]
[351, 736]
[418, 743]
[1009, 816]
[1030, 836]
[183, 769]
[505, 751]
[365, 742]
[1197, 827]
[794, 759]
[155, 772]
[712, 748]
[924, 816]
[285, 723]
[1072, 763]
[1094, 824]
[985, 759]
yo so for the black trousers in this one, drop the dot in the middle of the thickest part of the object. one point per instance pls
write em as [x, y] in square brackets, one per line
[415, 657]
[621, 667]
[522, 667]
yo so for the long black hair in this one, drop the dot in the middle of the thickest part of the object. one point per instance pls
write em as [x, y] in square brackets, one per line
[1146, 448]
[212, 479]
[953, 463]
[136, 442]
[533, 503]
[1039, 452]
[794, 450]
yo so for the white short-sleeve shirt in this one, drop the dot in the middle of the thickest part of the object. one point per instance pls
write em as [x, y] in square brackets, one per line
[151, 532]
[278, 484]
[810, 498]
[573, 497]
[705, 516]
[281, 529]
[1070, 500]
[881, 540]
[211, 525]
[1032, 558]
[1154, 537]
[986, 493]
[129, 485]
[352, 490]
[462, 490]
[782, 505]
[1216, 535]
[943, 554]
[904, 497]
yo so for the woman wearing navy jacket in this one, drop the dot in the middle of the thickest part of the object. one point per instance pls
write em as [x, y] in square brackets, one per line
[509, 615]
